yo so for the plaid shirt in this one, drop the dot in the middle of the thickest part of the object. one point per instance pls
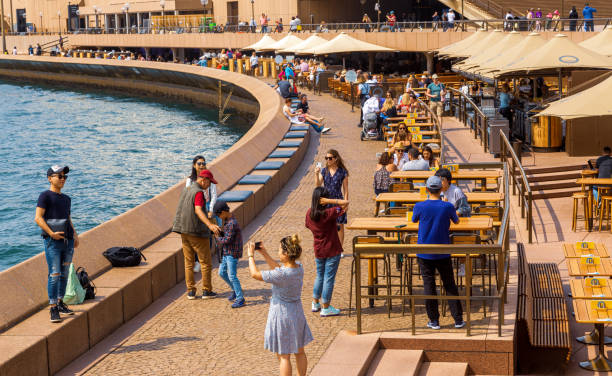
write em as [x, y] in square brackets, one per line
[231, 241]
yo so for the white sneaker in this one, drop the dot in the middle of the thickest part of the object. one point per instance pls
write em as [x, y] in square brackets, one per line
[197, 267]
[325, 130]
[461, 272]
[329, 311]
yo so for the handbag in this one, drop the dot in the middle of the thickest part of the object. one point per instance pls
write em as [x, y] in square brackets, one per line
[56, 225]
[124, 256]
[86, 283]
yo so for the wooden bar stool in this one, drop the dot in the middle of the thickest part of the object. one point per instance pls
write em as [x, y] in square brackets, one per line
[585, 204]
[606, 204]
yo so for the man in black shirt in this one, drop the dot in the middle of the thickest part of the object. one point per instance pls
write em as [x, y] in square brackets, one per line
[302, 108]
[606, 155]
[285, 89]
[59, 236]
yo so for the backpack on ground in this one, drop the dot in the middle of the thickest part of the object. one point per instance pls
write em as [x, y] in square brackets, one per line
[124, 256]
[86, 283]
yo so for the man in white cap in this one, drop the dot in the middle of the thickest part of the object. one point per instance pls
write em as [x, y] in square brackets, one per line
[434, 216]
[436, 91]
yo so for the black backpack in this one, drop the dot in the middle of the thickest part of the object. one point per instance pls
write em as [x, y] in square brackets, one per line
[124, 256]
[86, 283]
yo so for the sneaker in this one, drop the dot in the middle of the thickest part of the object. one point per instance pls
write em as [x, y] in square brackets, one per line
[433, 325]
[238, 303]
[461, 271]
[316, 307]
[329, 311]
[232, 297]
[197, 267]
[191, 295]
[63, 308]
[208, 294]
[55, 316]
[325, 130]
[459, 324]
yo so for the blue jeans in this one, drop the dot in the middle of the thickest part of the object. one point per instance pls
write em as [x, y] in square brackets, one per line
[316, 126]
[326, 276]
[227, 271]
[59, 256]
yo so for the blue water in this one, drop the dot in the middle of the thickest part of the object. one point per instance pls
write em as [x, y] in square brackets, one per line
[121, 151]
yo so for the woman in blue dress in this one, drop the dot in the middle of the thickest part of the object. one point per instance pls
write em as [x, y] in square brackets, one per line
[334, 177]
[287, 331]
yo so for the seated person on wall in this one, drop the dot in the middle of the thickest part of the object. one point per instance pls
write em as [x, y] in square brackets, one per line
[302, 108]
[298, 118]
[415, 161]
[285, 89]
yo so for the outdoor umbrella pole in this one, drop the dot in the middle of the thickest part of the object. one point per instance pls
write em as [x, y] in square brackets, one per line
[560, 84]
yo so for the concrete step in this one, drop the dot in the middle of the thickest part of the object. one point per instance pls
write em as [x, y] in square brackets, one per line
[443, 369]
[389, 362]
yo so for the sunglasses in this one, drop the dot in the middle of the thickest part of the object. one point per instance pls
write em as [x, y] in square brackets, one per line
[201, 163]
[329, 158]
[404, 128]
[61, 177]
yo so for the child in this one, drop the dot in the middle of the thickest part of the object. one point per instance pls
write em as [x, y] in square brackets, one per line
[230, 243]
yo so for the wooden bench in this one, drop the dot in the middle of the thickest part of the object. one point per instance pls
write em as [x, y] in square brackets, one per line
[542, 324]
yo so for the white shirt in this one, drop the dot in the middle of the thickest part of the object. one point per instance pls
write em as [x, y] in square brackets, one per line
[400, 163]
[450, 16]
[371, 105]
[254, 60]
[417, 164]
[14, 51]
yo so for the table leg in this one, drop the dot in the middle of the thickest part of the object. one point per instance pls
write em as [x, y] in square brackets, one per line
[590, 211]
[592, 338]
[600, 363]
[370, 282]
[375, 275]
[376, 208]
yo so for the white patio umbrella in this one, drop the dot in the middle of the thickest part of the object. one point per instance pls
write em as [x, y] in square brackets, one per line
[288, 41]
[262, 44]
[313, 41]
[344, 43]
[600, 43]
[590, 102]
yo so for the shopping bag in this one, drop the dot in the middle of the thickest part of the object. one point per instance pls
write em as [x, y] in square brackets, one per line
[75, 294]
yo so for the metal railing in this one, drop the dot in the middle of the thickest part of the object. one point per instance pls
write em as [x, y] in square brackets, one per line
[478, 123]
[517, 24]
[500, 248]
[520, 183]
[438, 126]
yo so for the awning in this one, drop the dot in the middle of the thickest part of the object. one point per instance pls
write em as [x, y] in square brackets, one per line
[590, 102]
[600, 43]
[311, 42]
[345, 44]
[288, 41]
[508, 42]
[262, 44]
[462, 44]
[530, 43]
[480, 45]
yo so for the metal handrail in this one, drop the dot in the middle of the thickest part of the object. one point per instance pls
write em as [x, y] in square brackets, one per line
[438, 126]
[525, 195]
[481, 120]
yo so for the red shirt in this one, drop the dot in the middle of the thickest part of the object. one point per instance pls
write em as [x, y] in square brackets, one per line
[325, 233]
[199, 200]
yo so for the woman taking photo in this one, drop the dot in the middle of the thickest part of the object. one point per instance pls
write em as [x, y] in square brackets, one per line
[287, 331]
[334, 177]
[382, 176]
[321, 220]
[428, 155]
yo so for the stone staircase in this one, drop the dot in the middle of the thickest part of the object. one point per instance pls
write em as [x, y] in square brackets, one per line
[390, 362]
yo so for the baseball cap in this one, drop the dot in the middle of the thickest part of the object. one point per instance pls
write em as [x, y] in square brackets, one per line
[220, 206]
[55, 169]
[434, 76]
[207, 174]
[434, 182]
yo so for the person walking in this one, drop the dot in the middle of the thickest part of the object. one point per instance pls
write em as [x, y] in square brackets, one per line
[195, 227]
[434, 216]
[436, 93]
[334, 177]
[321, 220]
[230, 242]
[53, 211]
[263, 21]
[287, 331]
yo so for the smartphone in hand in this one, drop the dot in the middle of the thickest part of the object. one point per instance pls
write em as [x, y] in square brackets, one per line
[257, 245]
[319, 165]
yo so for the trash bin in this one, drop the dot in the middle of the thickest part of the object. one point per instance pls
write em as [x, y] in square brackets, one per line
[497, 125]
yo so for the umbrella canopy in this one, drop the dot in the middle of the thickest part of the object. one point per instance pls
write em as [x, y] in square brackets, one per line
[508, 42]
[558, 54]
[530, 43]
[288, 41]
[490, 39]
[600, 43]
[590, 102]
[462, 44]
[311, 42]
[345, 44]
[262, 44]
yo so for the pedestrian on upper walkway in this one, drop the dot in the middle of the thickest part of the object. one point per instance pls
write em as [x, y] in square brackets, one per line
[434, 216]
[230, 243]
[287, 331]
[53, 211]
[573, 16]
[321, 220]
[587, 14]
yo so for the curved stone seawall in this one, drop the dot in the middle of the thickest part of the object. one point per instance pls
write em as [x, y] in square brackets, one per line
[24, 285]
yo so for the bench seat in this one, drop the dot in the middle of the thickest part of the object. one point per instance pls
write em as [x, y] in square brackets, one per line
[290, 144]
[269, 165]
[254, 179]
[297, 134]
[234, 196]
[298, 127]
[281, 153]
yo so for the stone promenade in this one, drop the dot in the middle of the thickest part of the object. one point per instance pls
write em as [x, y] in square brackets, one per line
[179, 337]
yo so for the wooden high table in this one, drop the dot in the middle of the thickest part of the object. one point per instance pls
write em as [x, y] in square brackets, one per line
[591, 182]
[572, 251]
[577, 269]
[476, 175]
[584, 313]
[414, 197]
[400, 224]
[583, 290]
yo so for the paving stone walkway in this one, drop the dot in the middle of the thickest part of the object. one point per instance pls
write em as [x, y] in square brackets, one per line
[208, 337]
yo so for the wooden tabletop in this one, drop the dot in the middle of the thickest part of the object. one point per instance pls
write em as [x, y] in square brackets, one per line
[424, 133]
[584, 313]
[583, 290]
[417, 197]
[577, 269]
[571, 250]
[461, 174]
[594, 181]
[479, 223]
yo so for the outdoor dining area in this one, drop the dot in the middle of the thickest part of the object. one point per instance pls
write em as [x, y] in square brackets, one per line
[386, 251]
